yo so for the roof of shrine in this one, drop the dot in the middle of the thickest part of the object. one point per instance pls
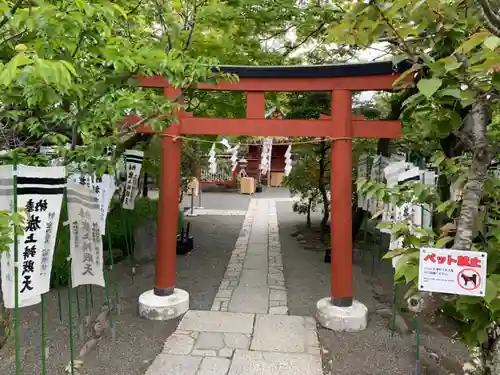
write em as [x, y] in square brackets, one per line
[317, 71]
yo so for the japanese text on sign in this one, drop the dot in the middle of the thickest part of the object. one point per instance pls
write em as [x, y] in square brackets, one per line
[452, 271]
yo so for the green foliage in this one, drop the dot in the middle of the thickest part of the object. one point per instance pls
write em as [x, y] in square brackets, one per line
[454, 67]
[474, 313]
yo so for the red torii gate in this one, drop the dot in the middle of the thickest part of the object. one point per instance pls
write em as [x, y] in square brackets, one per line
[341, 80]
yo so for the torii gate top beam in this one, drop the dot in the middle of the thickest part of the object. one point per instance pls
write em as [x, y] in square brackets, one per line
[353, 77]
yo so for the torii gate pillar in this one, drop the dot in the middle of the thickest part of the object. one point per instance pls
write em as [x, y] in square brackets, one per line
[165, 301]
[340, 312]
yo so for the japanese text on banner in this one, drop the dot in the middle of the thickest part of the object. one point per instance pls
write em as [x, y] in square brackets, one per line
[86, 239]
[133, 165]
[39, 196]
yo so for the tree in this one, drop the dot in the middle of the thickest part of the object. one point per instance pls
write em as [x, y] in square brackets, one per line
[454, 65]
[67, 72]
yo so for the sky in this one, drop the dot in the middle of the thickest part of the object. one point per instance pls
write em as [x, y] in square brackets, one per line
[371, 54]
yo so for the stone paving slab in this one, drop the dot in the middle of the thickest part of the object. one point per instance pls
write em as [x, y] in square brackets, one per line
[169, 364]
[210, 321]
[283, 333]
[250, 300]
[255, 278]
[266, 363]
[255, 261]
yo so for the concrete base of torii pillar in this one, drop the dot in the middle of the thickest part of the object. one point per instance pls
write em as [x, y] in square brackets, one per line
[169, 307]
[353, 318]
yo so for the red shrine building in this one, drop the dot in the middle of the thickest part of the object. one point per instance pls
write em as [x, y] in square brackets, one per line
[225, 176]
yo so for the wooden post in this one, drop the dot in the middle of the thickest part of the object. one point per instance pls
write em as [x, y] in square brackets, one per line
[340, 205]
[168, 207]
[256, 109]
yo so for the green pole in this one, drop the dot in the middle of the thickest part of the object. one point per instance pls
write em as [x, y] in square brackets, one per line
[44, 347]
[81, 332]
[417, 352]
[70, 302]
[110, 306]
[59, 302]
[113, 273]
[87, 302]
[91, 296]
[16, 269]
[128, 243]
[394, 309]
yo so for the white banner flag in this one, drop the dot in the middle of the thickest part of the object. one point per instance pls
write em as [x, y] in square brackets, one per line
[133, 165]
[265, 161]
[86, 240]
[39, 193]
[104, 187]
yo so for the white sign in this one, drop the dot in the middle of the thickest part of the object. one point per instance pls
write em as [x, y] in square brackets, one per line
[7, 258]
[39, 196]
[212, 161]
[133, 165]
[104, 187]
[288, 160]
[85, 239]
[265, 162]
[452, 271]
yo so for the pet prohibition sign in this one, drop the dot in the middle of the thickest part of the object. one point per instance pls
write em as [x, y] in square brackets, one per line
[452, 271]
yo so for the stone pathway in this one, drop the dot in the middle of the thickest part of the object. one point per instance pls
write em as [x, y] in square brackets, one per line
[197, 211]
[247, 331]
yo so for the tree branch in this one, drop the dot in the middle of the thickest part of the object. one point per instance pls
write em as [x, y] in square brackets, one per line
[11, 13]
[305, 40]
[405, 45]
[490, 17]
[135, 8]
[187, 46]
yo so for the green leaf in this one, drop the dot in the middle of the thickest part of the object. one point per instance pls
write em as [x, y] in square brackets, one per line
[492, 42]
[455, 92]
[443, 241]
[393, 253]
[491, 291]
[411, 272]
[10, 70]
[384, 225]
[428, 87]
[398, 58]
[495, 305]
[472, 42]
[452, 66]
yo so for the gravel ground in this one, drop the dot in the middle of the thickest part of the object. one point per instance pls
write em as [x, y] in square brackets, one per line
[138, 341]
[370, 352]
[231, 200]
[224, 200]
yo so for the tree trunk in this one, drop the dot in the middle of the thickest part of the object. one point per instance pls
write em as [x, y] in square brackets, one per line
[358, 215]
[322, 187]
[309, 207]
[475, 128]
[475, 125]
[145, 186]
